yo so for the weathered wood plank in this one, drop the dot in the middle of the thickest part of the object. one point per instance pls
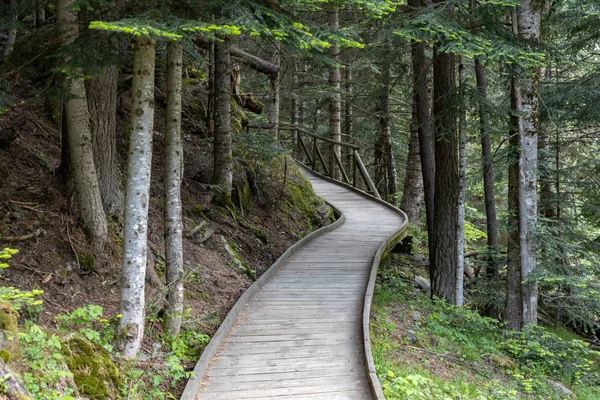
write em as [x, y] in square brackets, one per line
[301, 335]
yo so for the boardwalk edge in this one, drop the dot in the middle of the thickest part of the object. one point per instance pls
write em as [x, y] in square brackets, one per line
[382, 251]
[193, 384]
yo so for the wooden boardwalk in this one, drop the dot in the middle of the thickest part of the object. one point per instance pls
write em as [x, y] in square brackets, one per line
[301, 336]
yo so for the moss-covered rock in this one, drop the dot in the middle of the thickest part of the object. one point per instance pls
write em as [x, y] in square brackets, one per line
[9, 333]
[94, 373]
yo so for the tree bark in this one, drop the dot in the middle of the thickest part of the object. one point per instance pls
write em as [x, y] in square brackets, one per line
[488, 174]
[139, 166]
[12, 32]
[274, 102]
[548, 198]
[102, 106]
[413, 193]
[444, 255]
[462, 184]
[295, 107]
[421, 93]
[387, 163]
[348, 111]
[222, 153]
[522, 294]
[173, 160]
[40, 13]
[81, 158]
[335, 111]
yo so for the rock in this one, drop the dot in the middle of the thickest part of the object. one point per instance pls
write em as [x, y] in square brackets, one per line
[412, 338]
[561, 389]
[416, 316]
[94, 373]
[422, 282]
[503, 361]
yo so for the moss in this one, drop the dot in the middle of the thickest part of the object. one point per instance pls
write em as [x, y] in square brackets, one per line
[95, 375]
[242, 195]
[5, 355]
[86, 261]
[238, 261]
[8, 318]
[259, 233]
[239, 120]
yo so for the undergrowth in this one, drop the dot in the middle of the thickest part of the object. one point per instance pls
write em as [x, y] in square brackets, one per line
[426, 349]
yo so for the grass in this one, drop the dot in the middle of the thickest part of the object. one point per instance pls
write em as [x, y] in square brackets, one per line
[426, 349]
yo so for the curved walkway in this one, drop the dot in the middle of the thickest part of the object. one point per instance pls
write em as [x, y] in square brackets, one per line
[301, 336]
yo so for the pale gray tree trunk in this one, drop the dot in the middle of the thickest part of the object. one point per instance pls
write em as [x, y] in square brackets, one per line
[274, 100]
[102, 105]
[526, 102]
[173, 161]
[295, 107]
[40, 13]
[348, 111]
[12, 32]
[528, 20]
[81, 158]
[139, 165]
[223, 156]
[462, 184]
[335, 109]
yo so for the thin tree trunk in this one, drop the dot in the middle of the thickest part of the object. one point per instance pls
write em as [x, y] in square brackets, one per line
[528, 20]
[348, 111]
[444, 256]
[173, 160]
[526, 102]
[385, 133]
[295, 107]
[40, 13]
[81, 158]
[274, 101]
[462, 184]
[102, 105]
[514, 312]
[210, 114]
[139, 166]
[335, 112]
[548, 202]
[223, 157]
[421, 90]
[488, 174]
[413, 193]
[12, 33]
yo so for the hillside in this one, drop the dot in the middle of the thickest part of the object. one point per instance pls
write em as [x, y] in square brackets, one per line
[225, 249]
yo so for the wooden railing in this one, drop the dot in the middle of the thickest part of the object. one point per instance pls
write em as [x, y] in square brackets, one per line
[315, 157]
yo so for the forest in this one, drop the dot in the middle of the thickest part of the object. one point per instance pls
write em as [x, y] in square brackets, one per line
[152, 168]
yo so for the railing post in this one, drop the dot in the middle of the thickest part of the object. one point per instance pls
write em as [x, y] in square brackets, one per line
[314, 166]
[354, 161]
[332, 161]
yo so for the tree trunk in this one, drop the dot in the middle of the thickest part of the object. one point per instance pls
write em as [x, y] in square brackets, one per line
[444, 255]
[295, 107]
[488, 174]
[335, 111]
[421, 103]
[413, 194]
[462, 184]
[12, 32]
[102, 105]
[135, 231]
[385, 134]
[274, 101]
[223, 157]
[81, 158]
[40, 13]
[522, 293]
[548, 203]
[348, 112]
[173, 160]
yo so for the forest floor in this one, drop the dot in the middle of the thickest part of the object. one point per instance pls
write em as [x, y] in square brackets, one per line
[275, 208]
[432, 350]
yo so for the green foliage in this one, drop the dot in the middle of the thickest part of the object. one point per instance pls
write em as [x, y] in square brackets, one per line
[20, 300]
[131, 28]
